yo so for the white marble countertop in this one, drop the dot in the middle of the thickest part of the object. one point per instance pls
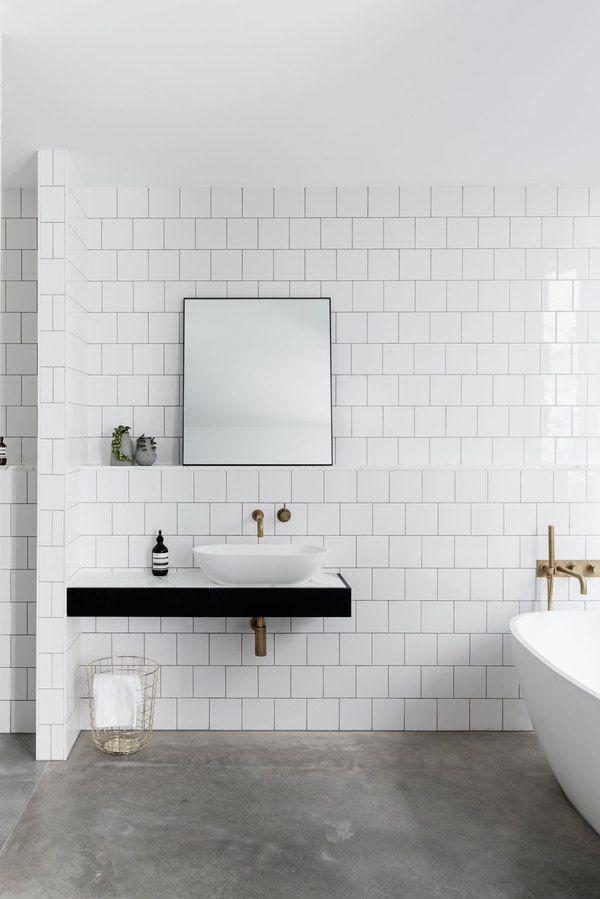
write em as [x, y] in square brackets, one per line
[126, 579]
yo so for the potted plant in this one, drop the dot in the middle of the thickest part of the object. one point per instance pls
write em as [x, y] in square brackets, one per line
[145, 450]
[121, 446]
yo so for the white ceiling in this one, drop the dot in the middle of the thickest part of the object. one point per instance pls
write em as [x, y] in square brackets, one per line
[283, 92]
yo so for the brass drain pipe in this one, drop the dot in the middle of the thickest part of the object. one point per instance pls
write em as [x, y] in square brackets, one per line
[260, 636]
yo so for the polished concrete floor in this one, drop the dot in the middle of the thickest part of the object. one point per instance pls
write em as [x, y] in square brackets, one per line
[19, 773]
[248, 815]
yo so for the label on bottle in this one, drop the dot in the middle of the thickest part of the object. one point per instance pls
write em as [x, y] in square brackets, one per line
[2, 453]
[160, 561]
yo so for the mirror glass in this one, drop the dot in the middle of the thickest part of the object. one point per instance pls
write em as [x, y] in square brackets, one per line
[257, 382]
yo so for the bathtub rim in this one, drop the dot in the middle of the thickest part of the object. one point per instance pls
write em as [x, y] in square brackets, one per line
[568, 613]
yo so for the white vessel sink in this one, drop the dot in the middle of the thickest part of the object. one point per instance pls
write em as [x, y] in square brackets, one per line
[266, 564]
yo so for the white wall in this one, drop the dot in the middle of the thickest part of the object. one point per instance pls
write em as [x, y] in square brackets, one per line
[18, 397]
[18, 367]
[439, 560]
[62, 298]
[464, 326]
[17, 598]
[464, 318]
[321, 93]
[466, 421]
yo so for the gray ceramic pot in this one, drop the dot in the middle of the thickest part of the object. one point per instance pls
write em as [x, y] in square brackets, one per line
[145, 451]
[126, 449]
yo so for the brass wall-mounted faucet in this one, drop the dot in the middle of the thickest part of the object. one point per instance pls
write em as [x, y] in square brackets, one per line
[550, 568]
[259, 516]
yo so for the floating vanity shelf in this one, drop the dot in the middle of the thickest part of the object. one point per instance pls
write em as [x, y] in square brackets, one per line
[192, 594]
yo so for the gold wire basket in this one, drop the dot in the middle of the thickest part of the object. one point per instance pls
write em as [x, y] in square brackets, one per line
[136, 679]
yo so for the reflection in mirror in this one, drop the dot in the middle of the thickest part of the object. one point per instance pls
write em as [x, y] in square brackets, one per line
[257, 382]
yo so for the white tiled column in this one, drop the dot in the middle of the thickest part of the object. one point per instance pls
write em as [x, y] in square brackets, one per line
[51, 596]
[62, 296]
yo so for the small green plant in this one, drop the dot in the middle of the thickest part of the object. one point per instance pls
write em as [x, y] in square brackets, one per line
[115, 443]
[141, 440]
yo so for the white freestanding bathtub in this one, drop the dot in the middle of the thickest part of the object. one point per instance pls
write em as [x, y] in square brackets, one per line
[557, 655]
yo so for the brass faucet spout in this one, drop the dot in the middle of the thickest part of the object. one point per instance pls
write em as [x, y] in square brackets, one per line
[572, 572]
[259, 516]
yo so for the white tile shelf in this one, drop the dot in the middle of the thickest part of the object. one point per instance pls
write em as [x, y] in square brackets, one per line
[192, 593]
[141, 470]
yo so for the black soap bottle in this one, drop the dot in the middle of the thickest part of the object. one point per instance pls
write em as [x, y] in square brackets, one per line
[160, 557]
[3, 459]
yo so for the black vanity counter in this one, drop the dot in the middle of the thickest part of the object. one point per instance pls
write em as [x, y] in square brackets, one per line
[192, 594]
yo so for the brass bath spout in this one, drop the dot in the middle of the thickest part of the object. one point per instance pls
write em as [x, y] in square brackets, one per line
[571, 570]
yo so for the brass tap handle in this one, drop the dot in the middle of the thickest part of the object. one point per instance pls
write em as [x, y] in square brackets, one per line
[284, 514]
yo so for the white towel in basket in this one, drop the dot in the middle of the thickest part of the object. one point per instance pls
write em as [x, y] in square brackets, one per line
[117, 698]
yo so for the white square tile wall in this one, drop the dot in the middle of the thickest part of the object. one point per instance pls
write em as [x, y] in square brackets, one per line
[62, 349]
[17, 598]
[466, 419]
[18, 314]
[463, 318]
[439, 560]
